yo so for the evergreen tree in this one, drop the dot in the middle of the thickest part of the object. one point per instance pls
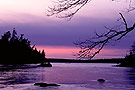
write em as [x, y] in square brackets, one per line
[16, 49]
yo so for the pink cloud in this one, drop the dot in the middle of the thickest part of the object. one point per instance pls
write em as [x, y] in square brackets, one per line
[68, 52]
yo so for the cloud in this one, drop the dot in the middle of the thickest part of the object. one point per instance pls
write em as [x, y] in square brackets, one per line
[42, 31]
[28, 17]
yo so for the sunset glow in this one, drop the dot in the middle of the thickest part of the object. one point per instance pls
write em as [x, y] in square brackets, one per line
[69, 52]
[57, 35]
[67, 44]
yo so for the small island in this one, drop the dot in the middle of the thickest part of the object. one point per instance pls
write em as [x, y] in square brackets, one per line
[129, 60]
[16, 49]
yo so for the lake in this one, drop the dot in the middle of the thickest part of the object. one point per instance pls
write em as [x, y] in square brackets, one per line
[70, 76]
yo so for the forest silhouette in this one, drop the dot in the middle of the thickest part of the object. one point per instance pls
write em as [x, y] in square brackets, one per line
[16, 49]
[129, 60]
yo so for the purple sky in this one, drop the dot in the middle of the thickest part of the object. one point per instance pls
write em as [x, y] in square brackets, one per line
[28, 17]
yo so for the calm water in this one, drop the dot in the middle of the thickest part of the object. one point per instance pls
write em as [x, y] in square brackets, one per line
[75, 76]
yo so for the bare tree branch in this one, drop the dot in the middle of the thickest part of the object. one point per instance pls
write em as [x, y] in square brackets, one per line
[90, 48]
[68, 8]
[131, 6]
[73, 6]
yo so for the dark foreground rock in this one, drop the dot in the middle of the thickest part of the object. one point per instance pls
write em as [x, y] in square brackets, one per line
[101, 80]
[45, 84]
[46, 64]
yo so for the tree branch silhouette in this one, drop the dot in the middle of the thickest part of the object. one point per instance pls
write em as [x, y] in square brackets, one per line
[68, 8]
[131, 6]
[91, 47]
[73, 6]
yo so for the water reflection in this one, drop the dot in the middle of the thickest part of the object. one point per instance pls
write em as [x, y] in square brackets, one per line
[131, 75]
[70, 76]
[11, 75]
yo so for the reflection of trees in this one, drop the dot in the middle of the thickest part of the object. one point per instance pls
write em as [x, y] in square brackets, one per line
[11, 76]
[131, 75]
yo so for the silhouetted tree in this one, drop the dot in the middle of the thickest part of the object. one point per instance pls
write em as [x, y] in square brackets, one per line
[133, 49]
[16, 49]
[129, 59]
[91, 47]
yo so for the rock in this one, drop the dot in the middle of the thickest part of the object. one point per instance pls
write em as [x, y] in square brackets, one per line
[46, 64]
[101, 80]
[45, 84]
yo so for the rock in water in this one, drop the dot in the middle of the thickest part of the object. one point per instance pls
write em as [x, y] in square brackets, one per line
[101, 80]
[45, 84]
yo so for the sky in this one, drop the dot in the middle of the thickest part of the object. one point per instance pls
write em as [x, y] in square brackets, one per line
[56, 36]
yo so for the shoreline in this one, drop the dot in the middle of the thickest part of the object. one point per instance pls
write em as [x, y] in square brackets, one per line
[113, 60]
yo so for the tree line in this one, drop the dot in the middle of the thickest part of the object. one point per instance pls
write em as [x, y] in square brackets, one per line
[16, 49]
